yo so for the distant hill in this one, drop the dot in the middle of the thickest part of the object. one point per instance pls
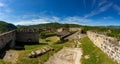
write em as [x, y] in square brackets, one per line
[51, 25]
[4, 26]
[113, 31]
[118, 27]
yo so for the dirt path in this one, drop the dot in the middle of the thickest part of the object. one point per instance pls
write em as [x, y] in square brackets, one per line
[66, 56]
[11, 56]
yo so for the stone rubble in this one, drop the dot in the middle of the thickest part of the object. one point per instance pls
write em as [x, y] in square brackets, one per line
[39, 52]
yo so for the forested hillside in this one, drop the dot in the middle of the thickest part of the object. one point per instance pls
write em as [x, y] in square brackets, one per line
[6, 26]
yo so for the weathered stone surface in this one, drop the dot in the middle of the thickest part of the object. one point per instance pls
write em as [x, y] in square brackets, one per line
[27, 37]
[36, 53]
[7, 38]
[20, 36]
[66, 56]
[11, 56]
[109, 45]
[75, 29]
[77, 35]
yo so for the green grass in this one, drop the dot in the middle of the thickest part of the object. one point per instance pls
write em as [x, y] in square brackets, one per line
[34, 47]
[23, 59]
[59, 46]
[4, 62]
[23, 54]
[96, 56]
[50, 40]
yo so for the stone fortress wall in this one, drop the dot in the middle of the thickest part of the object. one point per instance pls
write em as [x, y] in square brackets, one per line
[7, 38]
[27, 36]
[75, 36]
[109, 45]
[10, 38]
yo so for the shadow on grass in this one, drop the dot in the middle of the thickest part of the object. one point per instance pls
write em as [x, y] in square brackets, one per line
[61, 41]
[42, 44]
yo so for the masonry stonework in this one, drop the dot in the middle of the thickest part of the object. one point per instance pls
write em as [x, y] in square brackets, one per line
[27, 36]
[9, 38]
[109, 45]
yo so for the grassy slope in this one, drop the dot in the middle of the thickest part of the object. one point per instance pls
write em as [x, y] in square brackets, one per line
[96, 55]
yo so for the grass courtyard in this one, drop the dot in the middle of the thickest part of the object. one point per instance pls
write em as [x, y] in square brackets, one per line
[51, 41]
[93, 53]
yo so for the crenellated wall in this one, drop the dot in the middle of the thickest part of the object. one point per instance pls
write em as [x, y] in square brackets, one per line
[109, 45]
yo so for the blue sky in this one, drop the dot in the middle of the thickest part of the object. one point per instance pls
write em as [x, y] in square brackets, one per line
[84, 12]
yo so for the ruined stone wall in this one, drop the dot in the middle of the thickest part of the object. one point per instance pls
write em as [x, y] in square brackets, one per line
[12, 37]
[32, 37]
[76, 35]
[75, 29]
[7, 38]
[109, 45]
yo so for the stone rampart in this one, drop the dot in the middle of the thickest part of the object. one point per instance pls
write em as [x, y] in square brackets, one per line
[75, 36]
[7, 38]
[11, 38]
[109, 45]
[27, 37]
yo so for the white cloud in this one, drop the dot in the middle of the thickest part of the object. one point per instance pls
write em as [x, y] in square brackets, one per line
[74, 19]
[2, 4]
[117, 8]
[31, 22]
[102, 3]
[93, 3]
[42, 20]
[99, 10]
[107, 17]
